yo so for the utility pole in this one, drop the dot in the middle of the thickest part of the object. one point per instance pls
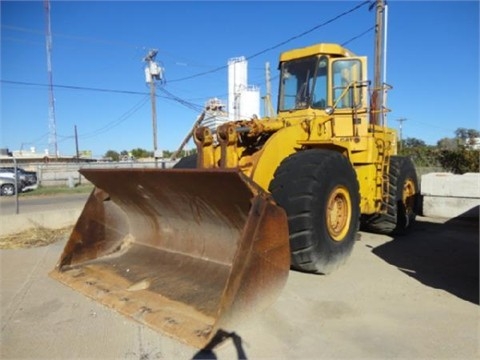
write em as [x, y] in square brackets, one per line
[401, 120]
[268, 108]
[78, 155]
[153, 72]
[385, 30]
[378, 89]
[76, 144]
[52, 127]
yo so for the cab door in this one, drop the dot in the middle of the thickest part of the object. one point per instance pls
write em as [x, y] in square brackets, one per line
[349, 95]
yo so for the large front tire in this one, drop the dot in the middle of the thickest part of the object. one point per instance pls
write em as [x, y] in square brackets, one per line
[403, 200]
[319, 191]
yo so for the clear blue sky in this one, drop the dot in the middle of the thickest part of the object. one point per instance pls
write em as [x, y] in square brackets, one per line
[433, 64]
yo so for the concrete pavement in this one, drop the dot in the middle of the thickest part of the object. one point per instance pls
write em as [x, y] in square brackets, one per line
[41, 203]
[46, 211]
[411, 297]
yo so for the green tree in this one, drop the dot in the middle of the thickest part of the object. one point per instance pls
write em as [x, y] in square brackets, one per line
[457, 154]
[463, 137]
[187, 152]
[420, 153]
[112, 154]
[167, 154]
[139, 153]
[447, 144]
[412, 143]
[467, 136]
[460, 161]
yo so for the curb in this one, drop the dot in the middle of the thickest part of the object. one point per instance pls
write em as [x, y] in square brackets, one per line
[53, 219]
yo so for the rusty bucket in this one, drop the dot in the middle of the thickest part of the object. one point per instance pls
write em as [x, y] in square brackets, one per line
[186, 252]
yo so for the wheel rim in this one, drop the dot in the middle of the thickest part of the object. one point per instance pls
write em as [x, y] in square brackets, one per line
[408, 196]
[339, 213]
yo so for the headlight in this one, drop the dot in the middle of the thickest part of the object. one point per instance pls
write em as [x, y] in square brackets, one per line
[329, 110]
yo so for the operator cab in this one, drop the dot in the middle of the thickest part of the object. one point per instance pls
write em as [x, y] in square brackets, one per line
[322, 76]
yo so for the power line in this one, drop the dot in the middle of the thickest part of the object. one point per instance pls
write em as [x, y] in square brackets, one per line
[72, 87]
[199, 108]
[181, 101]
[168, 96]
[171, 96]
[310, 30]
[432, 125]
[358, 36]
[9, 38]
[279, 44]
[112, 124]
[73, 37]
[101, 41]
[35, 141]
[131, 45]
[109, 126]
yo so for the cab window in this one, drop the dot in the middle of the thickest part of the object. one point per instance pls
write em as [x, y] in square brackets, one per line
[346, 83]
[296, 83]
[319, 97]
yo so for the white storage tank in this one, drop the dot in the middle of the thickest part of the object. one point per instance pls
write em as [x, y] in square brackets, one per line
[250, 102]
[243, 100]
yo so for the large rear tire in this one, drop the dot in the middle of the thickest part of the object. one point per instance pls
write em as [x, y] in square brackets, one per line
[319, 191]
[403, 200]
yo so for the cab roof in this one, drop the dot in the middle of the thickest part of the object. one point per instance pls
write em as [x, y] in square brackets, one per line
[323, 48]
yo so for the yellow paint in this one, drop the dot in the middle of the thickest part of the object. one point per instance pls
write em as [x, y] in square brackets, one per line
[257, 147]
[339, 213]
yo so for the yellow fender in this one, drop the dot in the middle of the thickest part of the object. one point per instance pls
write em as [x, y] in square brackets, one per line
[279, 146]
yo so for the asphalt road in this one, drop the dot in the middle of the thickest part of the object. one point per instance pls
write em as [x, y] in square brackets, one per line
[411, 297]
[30, 204]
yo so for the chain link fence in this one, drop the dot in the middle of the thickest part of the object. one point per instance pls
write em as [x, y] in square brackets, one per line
[66, 174]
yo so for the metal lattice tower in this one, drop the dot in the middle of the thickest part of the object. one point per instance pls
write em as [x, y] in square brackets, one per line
[52, 126]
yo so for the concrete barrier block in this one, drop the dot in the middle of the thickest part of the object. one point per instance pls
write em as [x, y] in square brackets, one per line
[451, 185]
[450, 207]
[447, 195]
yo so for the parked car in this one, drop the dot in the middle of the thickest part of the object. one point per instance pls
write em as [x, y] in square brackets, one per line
[7, 186]
[27, 178]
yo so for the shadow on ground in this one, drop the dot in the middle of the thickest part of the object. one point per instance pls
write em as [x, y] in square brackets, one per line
[207, 352]
[443, 256]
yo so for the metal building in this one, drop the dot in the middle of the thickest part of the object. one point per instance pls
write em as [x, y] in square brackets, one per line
[215, 114]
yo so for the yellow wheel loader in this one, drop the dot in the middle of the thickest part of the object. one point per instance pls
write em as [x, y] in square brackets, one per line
[190, 251]
[324, 158]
